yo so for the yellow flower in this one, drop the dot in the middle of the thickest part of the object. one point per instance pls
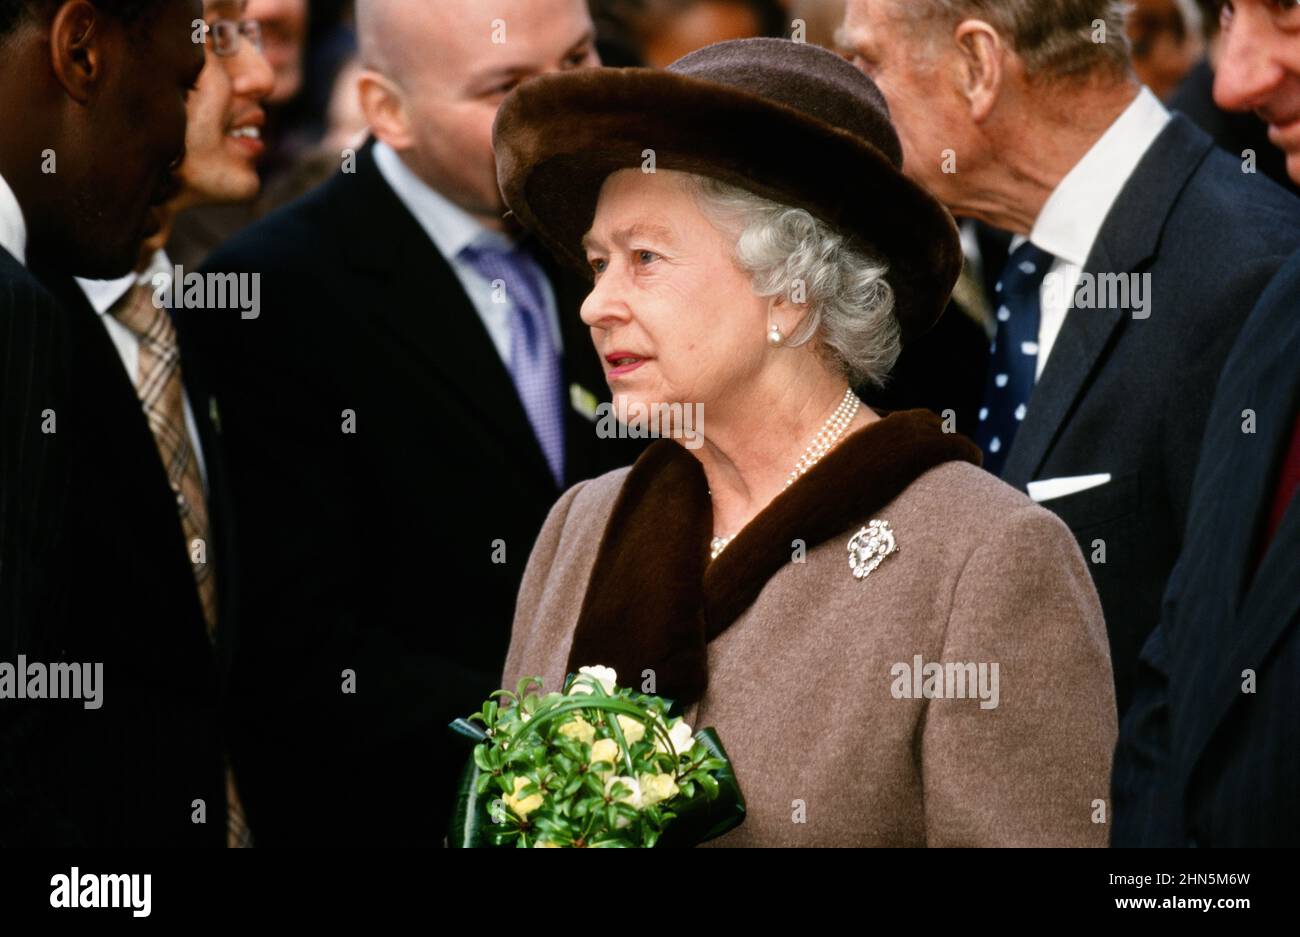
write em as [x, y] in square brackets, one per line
[579, 729]
[522, 807]
[604, 750]
[657, 787]
[633, 730]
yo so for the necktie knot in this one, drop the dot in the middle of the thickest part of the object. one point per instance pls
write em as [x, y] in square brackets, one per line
[148, 322]
[514, 271]
[1025, 269]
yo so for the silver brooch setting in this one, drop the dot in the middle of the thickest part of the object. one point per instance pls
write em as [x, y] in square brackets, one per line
[869, 547]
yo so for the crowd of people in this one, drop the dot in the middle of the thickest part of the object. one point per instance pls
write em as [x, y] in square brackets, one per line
[308, 317]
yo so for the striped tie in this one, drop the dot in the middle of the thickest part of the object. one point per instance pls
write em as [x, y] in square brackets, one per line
[159, 387]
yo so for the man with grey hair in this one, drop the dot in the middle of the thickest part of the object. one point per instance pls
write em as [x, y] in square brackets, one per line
[1132, 267]
[415, 394]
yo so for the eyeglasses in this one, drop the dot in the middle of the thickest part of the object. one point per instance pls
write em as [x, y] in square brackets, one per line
[226, 35]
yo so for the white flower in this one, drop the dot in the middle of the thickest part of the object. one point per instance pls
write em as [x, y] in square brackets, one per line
[605, 676]
[682, 738]
[633, 730]
[632, 799]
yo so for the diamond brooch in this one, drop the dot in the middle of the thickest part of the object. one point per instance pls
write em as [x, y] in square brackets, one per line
[869, 547]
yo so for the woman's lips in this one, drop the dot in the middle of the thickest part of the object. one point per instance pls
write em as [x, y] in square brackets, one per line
[248, 140]
[622, 364]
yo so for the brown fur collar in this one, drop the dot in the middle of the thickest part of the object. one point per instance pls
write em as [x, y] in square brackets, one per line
[654, 600]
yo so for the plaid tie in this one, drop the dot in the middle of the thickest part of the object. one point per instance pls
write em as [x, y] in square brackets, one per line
[158, 384]
[534, 362]
[159, 387]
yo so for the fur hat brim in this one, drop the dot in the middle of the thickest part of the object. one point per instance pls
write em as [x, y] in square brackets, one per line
[557, 138]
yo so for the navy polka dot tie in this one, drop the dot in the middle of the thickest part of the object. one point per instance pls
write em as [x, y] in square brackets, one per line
[1014, 353]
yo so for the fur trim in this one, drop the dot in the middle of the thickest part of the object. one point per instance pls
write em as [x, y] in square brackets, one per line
[654, 600]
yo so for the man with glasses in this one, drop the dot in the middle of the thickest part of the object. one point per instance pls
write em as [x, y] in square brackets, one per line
[154, 509]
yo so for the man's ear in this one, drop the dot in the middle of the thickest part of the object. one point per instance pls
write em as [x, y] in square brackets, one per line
[76, 49]
[982, 59]
[385, 109]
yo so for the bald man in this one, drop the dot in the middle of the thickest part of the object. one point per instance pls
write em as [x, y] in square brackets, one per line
[389, 474]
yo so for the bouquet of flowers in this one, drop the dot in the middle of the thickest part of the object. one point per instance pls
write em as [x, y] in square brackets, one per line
[596, 765]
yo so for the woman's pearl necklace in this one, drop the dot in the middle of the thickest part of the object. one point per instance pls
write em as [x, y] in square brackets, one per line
[822, 443]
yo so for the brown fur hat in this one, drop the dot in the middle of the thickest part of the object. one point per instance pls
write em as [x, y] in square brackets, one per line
[788, 121]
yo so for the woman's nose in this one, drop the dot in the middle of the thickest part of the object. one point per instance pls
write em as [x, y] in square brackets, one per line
[606, 303]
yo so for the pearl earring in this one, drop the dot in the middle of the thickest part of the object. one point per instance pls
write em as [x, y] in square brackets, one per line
[774, 336]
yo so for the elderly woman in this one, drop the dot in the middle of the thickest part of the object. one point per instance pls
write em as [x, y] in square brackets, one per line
[895, 647]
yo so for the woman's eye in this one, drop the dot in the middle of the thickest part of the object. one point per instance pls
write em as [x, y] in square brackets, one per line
[646, 257]
[597, 265]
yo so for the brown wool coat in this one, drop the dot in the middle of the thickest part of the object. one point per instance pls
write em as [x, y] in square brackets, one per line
[792, 662]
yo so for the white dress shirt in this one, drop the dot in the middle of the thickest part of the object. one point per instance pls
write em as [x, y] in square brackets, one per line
[13, 228]
[1071, 218]
[452, 229]
[102, 294]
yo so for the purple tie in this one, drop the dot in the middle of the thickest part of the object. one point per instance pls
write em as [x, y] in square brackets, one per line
[534, 362]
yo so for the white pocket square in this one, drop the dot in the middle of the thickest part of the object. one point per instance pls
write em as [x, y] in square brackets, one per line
[1050, 488]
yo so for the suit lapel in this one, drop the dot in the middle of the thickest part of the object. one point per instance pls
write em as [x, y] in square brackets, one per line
[1128, 239]
[420, 303]
[1263, 605]
[117, 444]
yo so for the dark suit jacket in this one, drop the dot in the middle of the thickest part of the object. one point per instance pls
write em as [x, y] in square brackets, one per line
[127, 774]
[1200, 761]
[33, 485]
[1129, 397]
[393, 553]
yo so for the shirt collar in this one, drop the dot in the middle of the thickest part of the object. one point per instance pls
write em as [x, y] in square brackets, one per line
[13, 229]
[449, 226]
[1073, 214]
[103, 294]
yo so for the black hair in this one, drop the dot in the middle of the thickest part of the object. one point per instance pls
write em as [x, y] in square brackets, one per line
[127, 12]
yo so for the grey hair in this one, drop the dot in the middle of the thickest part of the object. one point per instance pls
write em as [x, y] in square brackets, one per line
[1054, 38]
[850, 304]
